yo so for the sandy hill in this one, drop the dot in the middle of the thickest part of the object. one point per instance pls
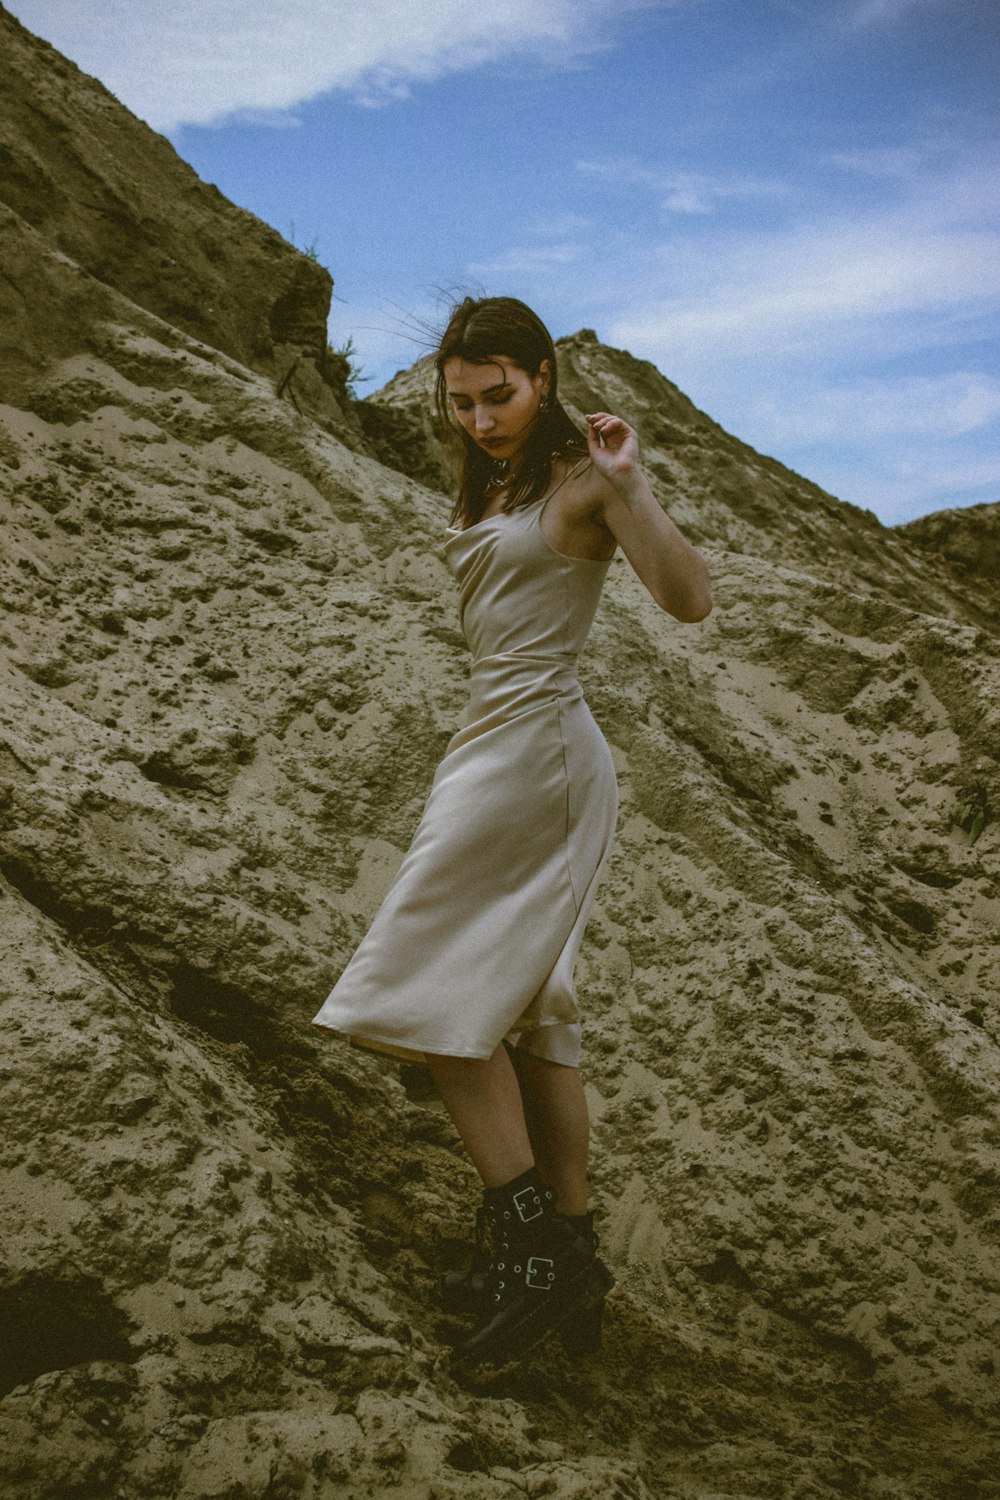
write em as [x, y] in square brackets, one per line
[229, 661]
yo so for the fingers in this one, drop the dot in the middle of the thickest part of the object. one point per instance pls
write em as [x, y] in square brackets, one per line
[597, 422]
[609, 430]
[603, 423]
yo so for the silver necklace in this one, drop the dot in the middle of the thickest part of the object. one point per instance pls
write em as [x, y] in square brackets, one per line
[499, 473]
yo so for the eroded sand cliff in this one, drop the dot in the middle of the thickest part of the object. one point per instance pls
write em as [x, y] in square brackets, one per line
[230, 661]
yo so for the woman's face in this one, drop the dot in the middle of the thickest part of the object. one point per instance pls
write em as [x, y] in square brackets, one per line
[496, 403]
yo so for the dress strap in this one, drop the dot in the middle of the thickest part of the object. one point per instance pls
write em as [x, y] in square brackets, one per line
[562, 481]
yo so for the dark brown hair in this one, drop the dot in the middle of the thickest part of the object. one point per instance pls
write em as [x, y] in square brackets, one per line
[479, 330]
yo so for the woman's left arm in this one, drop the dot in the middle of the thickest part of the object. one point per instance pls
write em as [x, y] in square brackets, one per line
[674, 572]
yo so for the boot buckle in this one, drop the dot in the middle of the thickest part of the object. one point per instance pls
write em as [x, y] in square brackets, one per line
[528, 1197]
[539, 1267]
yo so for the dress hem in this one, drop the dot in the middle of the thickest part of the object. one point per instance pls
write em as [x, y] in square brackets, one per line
[419, 1054]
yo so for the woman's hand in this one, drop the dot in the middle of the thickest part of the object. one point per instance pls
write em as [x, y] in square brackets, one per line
[618, 458]
[673, 571]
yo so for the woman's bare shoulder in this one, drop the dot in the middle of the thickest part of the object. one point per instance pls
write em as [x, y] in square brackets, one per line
[574, 517]
[585, 492]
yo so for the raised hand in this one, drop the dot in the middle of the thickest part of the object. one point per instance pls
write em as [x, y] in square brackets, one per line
[617, 457]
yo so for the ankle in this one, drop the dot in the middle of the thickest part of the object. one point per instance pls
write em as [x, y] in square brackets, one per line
[572, 1205]
[523, 1200]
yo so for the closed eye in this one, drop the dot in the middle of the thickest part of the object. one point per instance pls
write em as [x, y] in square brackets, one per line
[491, 401]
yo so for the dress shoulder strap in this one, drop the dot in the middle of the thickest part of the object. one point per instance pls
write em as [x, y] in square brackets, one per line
[583, 462]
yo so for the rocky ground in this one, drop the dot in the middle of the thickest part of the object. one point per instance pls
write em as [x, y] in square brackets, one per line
[230, 661]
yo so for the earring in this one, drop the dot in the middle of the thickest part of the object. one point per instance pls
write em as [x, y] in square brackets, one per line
[545, 403]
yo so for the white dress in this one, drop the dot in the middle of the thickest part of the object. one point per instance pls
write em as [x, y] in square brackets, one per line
[478, 935]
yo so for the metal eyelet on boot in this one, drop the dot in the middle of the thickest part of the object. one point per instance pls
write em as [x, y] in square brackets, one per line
[549, 1262]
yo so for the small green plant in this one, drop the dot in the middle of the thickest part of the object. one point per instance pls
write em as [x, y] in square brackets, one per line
[973, 812]
[354, 376]
[310, 251]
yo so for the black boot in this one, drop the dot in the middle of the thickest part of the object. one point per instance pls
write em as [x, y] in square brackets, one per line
[464, 1292]
[581, 1334]
[541, 1274]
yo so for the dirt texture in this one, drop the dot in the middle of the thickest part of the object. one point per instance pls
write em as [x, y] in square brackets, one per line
[230, 661]
[115, 198]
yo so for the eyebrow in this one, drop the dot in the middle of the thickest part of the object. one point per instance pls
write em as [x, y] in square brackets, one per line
[487, 392]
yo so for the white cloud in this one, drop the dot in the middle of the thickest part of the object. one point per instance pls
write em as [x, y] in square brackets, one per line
[901, 483]
[788, 335]
[685, 192]
[861, 14]
[827, 290]
[526, 260]
[949, 477]
[899, 446]
[924, 407]
[879, 480]
[922, 272]
[177, 62]
[560, 225]
[900, 162]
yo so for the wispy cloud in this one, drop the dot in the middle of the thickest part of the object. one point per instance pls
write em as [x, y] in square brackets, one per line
[901, 163]
[950, 479]
[788, 334]
[195, 62]
[682, 192]
[903, 480]
[822, 285]
[836, 272]
[937, 157]
[900, 445]
[527, 260]
[558, 226]
[923, 407]
[861, 14]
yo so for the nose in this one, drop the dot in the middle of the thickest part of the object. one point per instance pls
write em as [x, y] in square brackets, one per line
[484, 419]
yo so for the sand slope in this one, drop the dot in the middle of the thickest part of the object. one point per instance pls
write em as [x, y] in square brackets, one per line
[229, 661]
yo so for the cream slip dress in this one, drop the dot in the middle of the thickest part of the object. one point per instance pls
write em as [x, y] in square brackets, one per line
[478, 935]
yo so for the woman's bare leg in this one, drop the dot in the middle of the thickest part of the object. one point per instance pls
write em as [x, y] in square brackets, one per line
[555, 1107]
[484, 1101]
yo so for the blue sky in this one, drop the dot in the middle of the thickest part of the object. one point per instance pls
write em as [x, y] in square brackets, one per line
[789, 206]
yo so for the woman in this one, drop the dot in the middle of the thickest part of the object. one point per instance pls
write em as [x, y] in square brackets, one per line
[468, 964]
